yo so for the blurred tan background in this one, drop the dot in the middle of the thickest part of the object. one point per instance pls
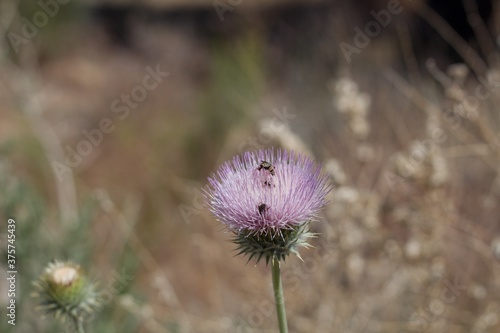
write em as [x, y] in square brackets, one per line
[114, 113]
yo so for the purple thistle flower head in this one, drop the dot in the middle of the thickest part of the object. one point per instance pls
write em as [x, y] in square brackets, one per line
[264, 194]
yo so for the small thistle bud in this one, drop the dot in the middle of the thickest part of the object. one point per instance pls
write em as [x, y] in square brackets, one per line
[267, 201]
[63, 290]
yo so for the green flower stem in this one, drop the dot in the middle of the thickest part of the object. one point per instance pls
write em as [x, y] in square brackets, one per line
[278, 296]
[79, 325]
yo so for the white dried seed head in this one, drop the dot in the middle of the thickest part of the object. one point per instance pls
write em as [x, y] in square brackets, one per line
[333, 167]
[495, 247]
[413, 249]
[478, 291]
[347, 194]
[458, 72]
[355, 266]
[365, 153]
[456, 93]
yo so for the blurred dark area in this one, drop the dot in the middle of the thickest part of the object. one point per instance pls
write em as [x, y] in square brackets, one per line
[290, 20]
[114, 113]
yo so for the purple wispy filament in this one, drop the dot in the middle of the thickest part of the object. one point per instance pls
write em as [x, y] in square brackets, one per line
[260, 201]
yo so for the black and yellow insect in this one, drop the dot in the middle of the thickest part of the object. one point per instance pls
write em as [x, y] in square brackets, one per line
[267, 166]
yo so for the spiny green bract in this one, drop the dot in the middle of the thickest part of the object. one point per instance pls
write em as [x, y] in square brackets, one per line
[273, 246]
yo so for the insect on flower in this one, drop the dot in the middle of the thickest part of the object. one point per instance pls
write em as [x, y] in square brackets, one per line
[296, 195]
[262, 208]
[270, 221]
[267, 166]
